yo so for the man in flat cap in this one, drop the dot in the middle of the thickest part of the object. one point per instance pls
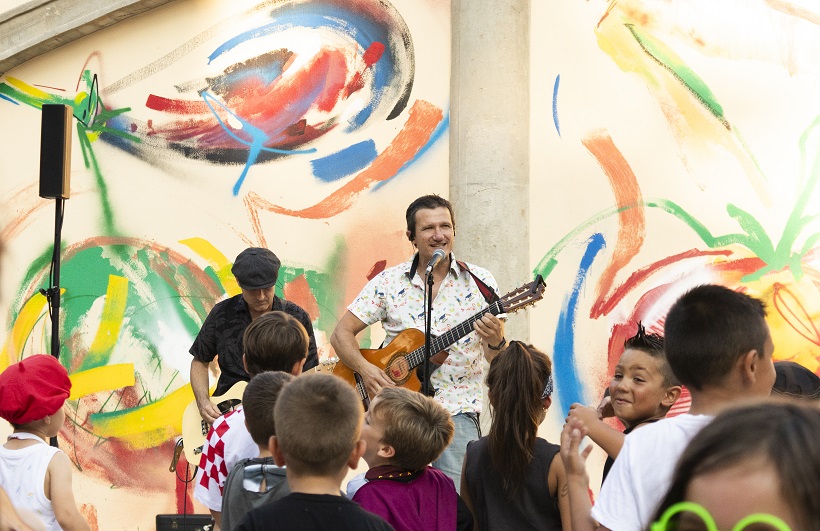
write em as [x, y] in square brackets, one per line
[256, 270]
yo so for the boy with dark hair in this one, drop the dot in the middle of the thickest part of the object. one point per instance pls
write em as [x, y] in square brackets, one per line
[36, 476]
[719, 346]
[255, 481]
[642, 390]
[318, 436]
[275, 341]
[405, 432]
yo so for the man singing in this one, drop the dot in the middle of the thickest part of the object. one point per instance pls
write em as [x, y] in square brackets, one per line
[395, 297]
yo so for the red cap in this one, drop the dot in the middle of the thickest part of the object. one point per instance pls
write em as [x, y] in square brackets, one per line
[33, 389]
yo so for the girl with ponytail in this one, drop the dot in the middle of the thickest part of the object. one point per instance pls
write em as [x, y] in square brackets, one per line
[513, 479]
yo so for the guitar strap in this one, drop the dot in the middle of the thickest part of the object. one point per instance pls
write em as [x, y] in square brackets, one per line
[489, 295]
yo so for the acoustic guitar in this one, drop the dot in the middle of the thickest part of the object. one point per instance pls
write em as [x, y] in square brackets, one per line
[195, 428]
[406, 351]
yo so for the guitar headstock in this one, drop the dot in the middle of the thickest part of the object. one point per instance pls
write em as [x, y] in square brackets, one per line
[524, 296]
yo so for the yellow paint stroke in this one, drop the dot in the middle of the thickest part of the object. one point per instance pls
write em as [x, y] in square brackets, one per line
[220, 264]
[145, 426]
[116, 298]
[26, 320]
[107, 378]
[28, 89]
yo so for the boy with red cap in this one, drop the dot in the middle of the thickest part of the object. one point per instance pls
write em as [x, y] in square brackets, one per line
[36, 476]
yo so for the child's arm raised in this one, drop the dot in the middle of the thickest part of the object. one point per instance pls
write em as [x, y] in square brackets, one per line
[608, 438]
[577, 478]
[58, 481]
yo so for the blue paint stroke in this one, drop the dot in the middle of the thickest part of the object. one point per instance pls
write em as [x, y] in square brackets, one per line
[9, 99]
[344, 162]
[364, 28]
[555, 104]
[255, 146]
[568, 383]
[438, 132]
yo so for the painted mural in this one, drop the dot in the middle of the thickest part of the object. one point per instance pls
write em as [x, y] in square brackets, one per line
[675, 144]
[202, 128]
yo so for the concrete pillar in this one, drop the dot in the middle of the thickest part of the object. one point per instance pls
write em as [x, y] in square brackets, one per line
[489, 140]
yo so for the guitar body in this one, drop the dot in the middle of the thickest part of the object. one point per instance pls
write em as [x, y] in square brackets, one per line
[391, 359]
[194, 429]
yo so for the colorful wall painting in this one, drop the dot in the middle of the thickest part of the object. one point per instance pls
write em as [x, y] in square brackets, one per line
[674, 144]
[202, 128]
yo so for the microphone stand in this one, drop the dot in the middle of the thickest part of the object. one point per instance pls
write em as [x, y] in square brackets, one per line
[428, 295]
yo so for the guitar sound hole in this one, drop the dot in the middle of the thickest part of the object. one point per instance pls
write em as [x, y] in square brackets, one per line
[398, 370]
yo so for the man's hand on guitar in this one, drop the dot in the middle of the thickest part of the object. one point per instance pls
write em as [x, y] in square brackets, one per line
[374, 379]
[491, 330]
[208, 411]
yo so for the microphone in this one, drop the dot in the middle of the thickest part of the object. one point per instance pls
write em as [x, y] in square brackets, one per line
[437, 257]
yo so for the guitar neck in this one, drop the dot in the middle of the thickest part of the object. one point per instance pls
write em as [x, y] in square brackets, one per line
[416, 358]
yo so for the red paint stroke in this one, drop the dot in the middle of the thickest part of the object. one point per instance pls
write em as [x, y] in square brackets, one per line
[373, 53]
[48, 87]
[631, 221]
[794, 312]
[158, 103]
[298, 291]
[636, 278]
[377, 268]
[421, 122]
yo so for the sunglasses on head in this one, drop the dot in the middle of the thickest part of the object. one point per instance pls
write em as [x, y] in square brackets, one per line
[690, 516]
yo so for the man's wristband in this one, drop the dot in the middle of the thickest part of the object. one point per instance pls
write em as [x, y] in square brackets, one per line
[499, 346]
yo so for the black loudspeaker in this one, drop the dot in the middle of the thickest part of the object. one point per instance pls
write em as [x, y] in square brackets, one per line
[186, 522]
[55, 151]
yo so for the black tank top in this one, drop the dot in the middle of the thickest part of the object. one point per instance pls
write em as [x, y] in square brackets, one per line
[532, 507]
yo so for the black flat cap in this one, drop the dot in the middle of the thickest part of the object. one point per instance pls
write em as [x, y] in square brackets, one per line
[795, 380]
[256, 268]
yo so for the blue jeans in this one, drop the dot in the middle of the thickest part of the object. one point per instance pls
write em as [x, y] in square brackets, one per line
[467, 428]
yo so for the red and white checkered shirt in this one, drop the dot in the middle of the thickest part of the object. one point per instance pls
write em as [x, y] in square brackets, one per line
[227, 443]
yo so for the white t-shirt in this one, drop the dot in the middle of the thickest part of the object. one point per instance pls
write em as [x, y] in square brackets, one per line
[22, 475]
[228, 442]
[640, 477]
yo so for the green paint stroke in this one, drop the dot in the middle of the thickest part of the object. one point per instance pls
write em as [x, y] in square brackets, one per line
[665, 57]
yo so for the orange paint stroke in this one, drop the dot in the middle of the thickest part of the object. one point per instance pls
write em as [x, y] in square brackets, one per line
[631, 221]
[422, 121]
[794, 313]
[298, 291]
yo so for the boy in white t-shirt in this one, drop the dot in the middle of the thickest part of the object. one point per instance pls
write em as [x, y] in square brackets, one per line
[718, 345]
[36, 476]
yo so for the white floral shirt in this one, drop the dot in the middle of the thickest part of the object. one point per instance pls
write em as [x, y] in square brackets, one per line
[396, 298]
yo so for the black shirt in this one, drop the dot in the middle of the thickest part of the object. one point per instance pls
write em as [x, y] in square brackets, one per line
[307, 512]
[222, 331]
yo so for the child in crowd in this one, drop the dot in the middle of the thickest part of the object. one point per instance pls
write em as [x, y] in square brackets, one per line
[36, 476]
[318, 436]
[759, 458]
[719, 347]
[255, 481]
[275, 341]
[642, 390]
[405, 432]
[512, 479]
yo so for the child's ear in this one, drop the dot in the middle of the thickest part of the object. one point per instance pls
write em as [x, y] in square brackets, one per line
[296, 370]
[356, 454]
[749, 366]
[276, 451]
[671, 396]
[386, 451]
[547, 403]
